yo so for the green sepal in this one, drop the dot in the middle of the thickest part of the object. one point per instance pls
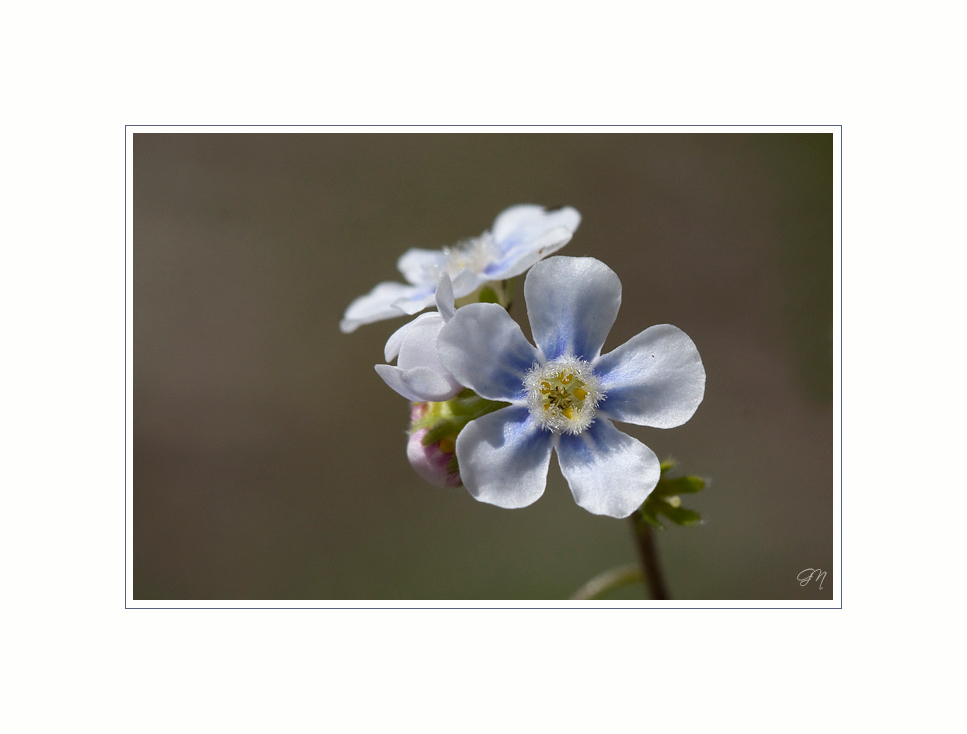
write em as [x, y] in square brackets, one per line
[679, 485]
[452, 465]
[447, 418]
[664, 500]
[487, 295]
[441, 430]
[645, 514]
[679, 515]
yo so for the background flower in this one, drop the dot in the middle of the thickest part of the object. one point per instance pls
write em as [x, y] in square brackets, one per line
[419, 374]
[655, 379]
[520, 236]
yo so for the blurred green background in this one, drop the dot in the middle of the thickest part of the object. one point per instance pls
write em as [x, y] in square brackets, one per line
[269, 457]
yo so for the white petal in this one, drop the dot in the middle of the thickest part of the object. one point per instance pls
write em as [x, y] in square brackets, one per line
[466, 282]
[654, 379]
[572, 303]
[503, 457]
[444, 297]
[526, 234]
[393, 344]
[379, 304]
[609, 472]
[421, 267]
[530, 220]
[529, 251]
[419, 375]
[416, 301]
[419, 348]
[484, 349]
[417, 384]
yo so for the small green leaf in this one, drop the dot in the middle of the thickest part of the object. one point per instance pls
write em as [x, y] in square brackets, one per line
[680, 485]
[679, 515]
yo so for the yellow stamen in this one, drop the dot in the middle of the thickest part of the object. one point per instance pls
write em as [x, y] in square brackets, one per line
[579, 393]
[545, 388]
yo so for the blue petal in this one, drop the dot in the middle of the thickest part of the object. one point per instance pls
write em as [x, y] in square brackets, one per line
[503, 457]
[609, 472]
[484, 349]
[572, 303]
[654, 379]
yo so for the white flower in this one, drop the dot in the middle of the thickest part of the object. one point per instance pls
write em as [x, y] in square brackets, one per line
[419, 374]
[521, 236]
[564, 394]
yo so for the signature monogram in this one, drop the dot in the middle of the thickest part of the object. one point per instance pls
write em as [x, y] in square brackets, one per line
[808, 574]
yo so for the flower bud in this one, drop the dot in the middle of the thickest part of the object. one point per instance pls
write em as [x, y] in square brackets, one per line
[434, 428]
[436, 462]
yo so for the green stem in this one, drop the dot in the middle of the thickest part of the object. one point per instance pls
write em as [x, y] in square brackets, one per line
[609, 581]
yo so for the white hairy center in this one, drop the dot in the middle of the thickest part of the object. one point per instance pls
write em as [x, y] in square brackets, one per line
[563, 394]
[474, 254]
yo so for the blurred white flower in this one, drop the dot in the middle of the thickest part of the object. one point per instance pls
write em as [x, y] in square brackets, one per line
[419, 374]
[564, 394]
[521, 236]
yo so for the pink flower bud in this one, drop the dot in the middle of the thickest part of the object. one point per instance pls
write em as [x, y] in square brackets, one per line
[436, 462]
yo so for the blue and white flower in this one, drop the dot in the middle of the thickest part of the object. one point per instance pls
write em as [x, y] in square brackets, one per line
[521, 236]
[419, 375]
[564, 394]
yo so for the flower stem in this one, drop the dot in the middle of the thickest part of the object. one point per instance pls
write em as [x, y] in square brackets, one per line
[609, 581]
[648, 555]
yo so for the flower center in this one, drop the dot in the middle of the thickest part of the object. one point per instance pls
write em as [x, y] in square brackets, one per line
[563, 395]
[474, 254]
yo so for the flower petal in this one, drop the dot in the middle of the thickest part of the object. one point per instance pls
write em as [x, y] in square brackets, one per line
[572, 303]
[421, 267]
[417, 384]
[393, 344]
[654, 379]
[421, 298]
[609, 472]
[444, 297]
[503, 457]
[526, 234]
[466, 282]
[379, 304]
[518, 259]
[531, 221]
[484, 349]
[419, 349]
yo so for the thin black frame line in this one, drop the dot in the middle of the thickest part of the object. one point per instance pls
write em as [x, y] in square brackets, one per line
[410, 124]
